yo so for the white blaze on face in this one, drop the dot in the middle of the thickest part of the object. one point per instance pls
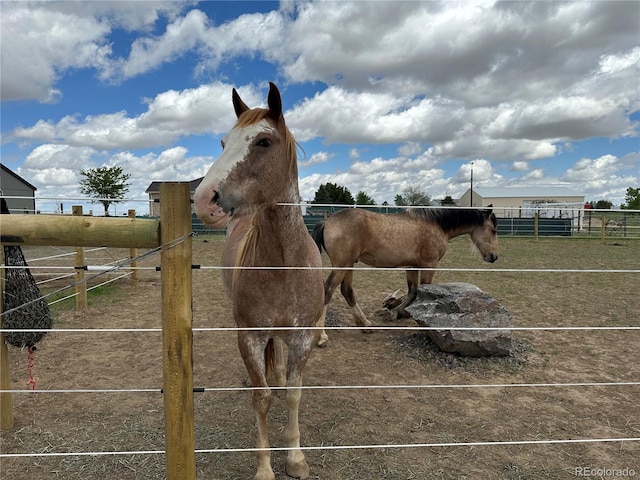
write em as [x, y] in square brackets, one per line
[236, 148]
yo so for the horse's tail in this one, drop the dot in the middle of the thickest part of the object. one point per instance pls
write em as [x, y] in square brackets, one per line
[318, 236]
[269, 357]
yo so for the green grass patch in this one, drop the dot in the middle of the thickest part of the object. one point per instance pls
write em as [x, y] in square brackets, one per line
[63, 301]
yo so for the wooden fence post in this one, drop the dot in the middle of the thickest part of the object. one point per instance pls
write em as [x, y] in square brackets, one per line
[536, 226]
[133, 253]
[6, 399]
[79, 265]
[177, 336]
[603, 222]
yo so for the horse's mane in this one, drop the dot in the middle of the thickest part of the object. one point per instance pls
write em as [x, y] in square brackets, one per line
[247, 249]
[449, 218]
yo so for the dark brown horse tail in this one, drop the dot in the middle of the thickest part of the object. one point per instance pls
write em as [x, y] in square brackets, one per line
[318, 235]
[269, 357]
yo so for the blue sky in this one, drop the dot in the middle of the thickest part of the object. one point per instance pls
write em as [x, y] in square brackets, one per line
[381, 95]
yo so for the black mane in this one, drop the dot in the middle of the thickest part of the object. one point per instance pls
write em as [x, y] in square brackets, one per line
[451, 218]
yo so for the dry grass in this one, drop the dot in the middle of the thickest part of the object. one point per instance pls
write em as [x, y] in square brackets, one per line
[74, 422]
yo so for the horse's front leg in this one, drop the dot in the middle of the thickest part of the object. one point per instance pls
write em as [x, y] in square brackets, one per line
[252, 351]
[299, 351]
[297, 466]
[413, 278]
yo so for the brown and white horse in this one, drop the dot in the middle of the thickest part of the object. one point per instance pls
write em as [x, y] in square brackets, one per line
[415, 238]
[244, 190]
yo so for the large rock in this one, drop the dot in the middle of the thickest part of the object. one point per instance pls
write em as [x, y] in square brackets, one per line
[463, 305]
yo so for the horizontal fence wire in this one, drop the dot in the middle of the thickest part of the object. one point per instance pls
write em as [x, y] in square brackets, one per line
[355, 269]
[342, 387]
[368, 328]
[334, 447]
[338, 387]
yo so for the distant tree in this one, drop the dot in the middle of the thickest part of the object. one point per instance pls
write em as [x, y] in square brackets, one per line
[363, 199]
[632, 199]
[412, 195]
[106, 184]
[333, 193]
[447, 201]
[601, 204]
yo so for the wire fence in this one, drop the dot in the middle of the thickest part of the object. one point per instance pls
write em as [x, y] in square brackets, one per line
[115, 264]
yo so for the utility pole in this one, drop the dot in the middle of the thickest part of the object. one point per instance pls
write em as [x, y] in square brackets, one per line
[471, 196]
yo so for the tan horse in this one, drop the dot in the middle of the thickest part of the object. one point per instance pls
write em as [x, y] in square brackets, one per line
[416, 238]
[257, 170]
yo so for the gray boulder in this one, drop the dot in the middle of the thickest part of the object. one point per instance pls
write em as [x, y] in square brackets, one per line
[449, 305]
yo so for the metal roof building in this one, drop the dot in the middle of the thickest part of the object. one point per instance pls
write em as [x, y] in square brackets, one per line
[13, 185]
[550, 202]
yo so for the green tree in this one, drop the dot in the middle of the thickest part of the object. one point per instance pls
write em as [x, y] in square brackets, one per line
[632, 199]
[447, 201]
[333, 193]
[601, 204]
[412, 195]
[363, 199]
[106, 184]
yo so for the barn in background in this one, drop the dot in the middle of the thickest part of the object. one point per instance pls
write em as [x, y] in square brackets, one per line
[520, 204]
[13, 185]
[524, 202]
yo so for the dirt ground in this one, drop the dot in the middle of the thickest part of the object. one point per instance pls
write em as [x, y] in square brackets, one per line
[389, 422]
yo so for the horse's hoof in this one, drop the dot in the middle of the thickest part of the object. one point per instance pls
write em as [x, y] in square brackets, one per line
[324, 343]
[299, 470]
[265, 475]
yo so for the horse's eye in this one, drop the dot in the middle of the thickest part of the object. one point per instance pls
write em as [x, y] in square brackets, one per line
[264, 142]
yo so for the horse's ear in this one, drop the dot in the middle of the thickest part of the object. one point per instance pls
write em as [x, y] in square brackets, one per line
[275, 102]
[238, 105]
[489, 210]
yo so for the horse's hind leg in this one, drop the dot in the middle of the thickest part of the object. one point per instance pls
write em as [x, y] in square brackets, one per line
[323, 338]
[279, 367]
[252, 350]
[330, 285]
[350, 296]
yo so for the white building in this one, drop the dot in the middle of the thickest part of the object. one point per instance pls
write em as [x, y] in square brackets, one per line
[549, 202]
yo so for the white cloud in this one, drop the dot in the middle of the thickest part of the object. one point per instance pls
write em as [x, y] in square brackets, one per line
[534, 175]
[440, 81]
[42, 40]
[354, 153]
[56, 170]
[520, 166]
[46, 155]
[586, 169]
[169, 116]
[315, 159]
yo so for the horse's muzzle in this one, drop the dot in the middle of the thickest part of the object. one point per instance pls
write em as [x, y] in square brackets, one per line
[490, 257]
[208, 208]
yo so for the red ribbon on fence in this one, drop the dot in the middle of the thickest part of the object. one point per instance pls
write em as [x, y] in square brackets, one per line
[30, 363]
